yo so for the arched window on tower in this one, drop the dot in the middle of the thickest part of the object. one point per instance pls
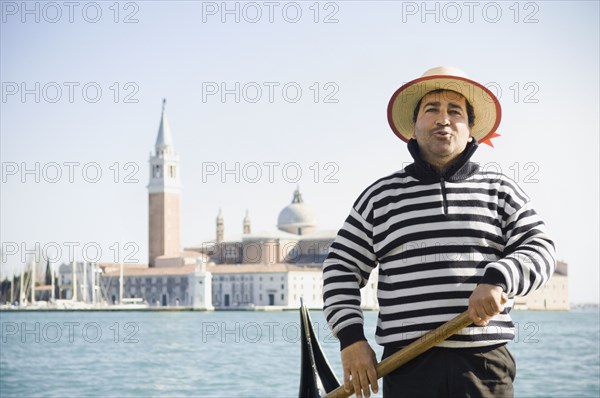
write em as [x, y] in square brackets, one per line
[157, 171]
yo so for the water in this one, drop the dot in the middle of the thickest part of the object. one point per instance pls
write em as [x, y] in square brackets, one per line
[244, 354]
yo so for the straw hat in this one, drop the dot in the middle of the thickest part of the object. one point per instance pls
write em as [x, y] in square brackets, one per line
[487, 107]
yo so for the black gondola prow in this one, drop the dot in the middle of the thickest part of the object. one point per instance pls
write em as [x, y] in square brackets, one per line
[316, 376]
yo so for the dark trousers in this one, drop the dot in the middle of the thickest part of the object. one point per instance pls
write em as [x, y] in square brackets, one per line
[453, 372]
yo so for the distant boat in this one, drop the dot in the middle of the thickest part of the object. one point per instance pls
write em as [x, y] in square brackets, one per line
[63, 304]
[130, 304]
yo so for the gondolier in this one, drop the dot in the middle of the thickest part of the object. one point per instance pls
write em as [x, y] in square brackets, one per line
[446, 238]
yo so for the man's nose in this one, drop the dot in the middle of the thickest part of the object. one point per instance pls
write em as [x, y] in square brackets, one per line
[443, 119]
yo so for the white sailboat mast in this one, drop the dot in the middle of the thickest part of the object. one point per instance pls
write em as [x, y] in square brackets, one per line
[52, 282]
[121, 284]
[84, 285]
[22, 287]
[74, 268]
[33, 267]
[94, 277]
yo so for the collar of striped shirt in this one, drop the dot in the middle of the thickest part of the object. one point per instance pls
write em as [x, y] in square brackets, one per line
[461, 170]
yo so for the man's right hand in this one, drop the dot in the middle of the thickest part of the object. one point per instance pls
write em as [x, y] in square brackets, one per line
[359, 361]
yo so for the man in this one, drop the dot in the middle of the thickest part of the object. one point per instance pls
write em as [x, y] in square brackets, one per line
[446, 238]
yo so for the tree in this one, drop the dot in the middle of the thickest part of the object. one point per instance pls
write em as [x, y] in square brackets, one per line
[5, 290]
[48, 277]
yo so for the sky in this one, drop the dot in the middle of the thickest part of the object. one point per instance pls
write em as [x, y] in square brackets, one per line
[263, 97]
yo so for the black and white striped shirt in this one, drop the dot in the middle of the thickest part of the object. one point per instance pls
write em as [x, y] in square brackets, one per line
[434, 239]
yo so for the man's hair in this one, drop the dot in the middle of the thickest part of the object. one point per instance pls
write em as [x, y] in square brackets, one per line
[470, 110]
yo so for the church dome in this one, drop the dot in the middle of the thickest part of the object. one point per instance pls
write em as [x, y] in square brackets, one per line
[297, 218]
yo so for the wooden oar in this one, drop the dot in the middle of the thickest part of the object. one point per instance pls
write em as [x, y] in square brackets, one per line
[412, 350]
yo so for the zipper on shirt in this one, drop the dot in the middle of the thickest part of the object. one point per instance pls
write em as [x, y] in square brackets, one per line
[444, 200]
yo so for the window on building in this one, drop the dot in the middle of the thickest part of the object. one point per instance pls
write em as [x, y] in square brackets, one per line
[230, 252]
[260, 297]
[282, 296]
[282, 286]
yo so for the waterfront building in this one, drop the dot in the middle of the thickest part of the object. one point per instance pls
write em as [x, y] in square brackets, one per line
[186, 284]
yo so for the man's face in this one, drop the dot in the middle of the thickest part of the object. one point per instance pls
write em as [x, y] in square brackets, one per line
[442, 127]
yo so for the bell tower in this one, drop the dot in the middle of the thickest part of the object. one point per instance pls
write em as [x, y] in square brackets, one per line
[164, 191]
[220, 227]
[247, 224]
